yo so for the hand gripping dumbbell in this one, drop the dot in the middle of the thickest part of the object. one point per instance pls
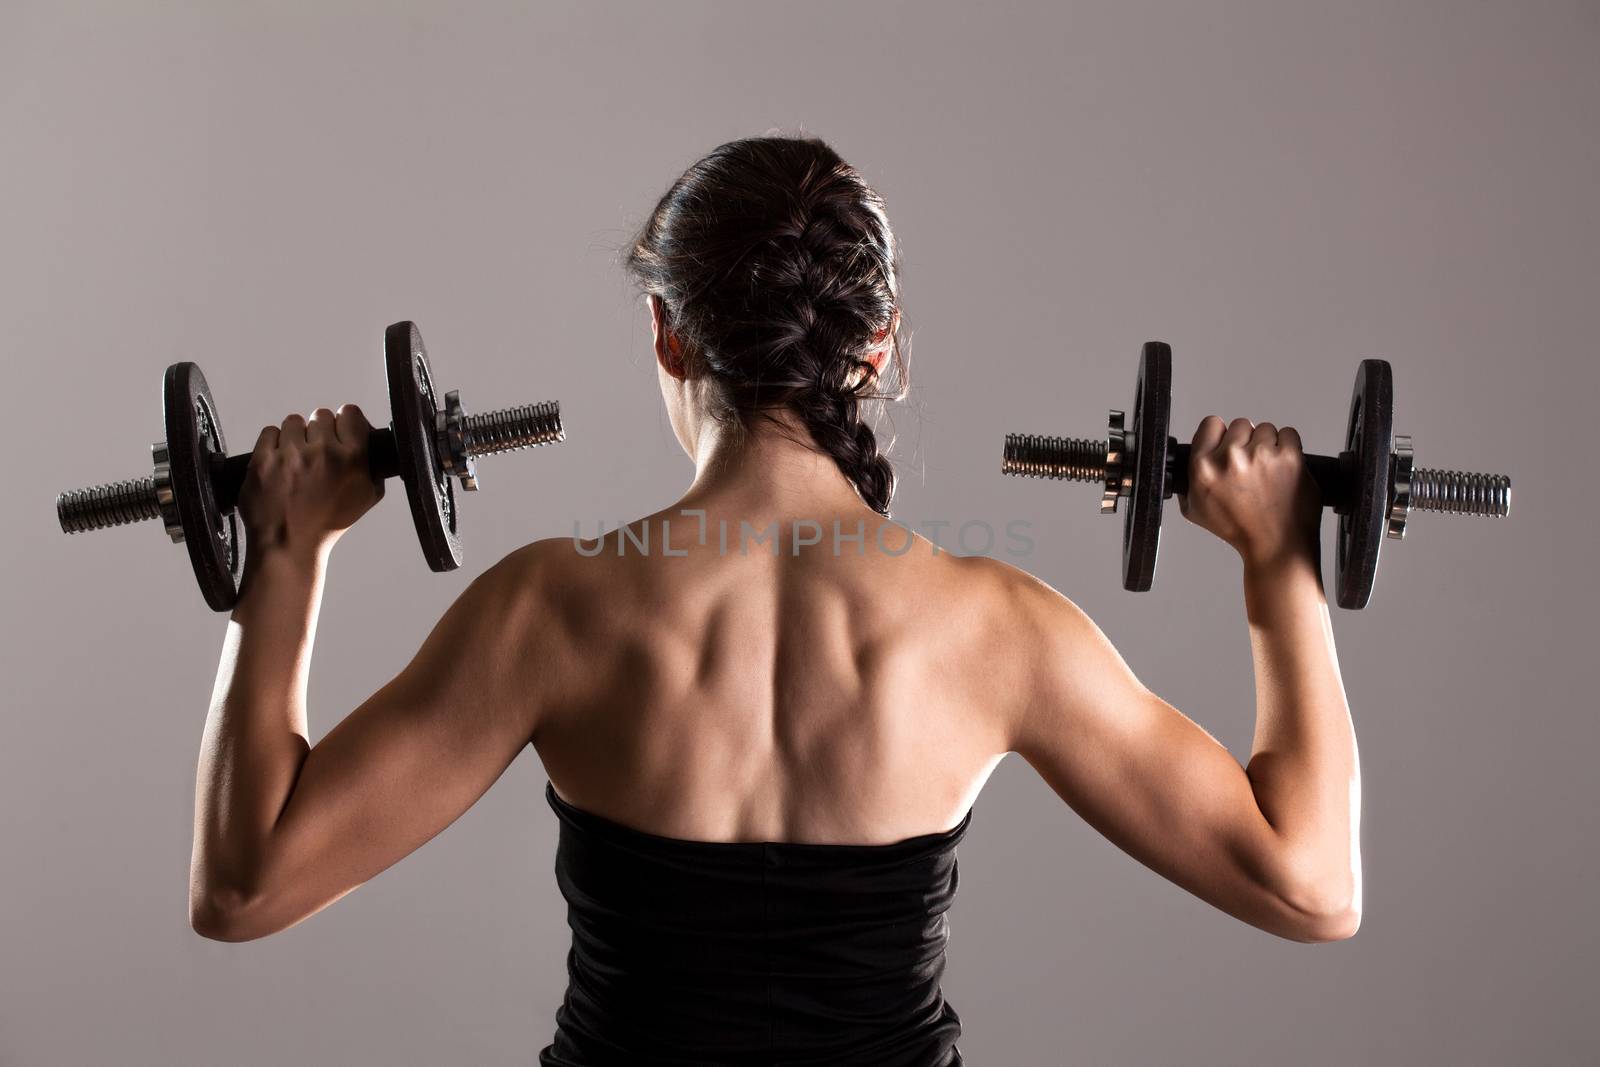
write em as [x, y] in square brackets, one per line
[194, 489]
[1372, 485]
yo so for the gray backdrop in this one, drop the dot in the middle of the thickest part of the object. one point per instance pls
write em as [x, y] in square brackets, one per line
[1276, 190]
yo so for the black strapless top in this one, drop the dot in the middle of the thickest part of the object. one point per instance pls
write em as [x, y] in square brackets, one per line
[710, 953]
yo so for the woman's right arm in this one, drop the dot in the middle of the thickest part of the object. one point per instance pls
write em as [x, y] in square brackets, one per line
[1275, 842]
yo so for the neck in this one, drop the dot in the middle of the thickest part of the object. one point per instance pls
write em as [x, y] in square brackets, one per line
[768, 466]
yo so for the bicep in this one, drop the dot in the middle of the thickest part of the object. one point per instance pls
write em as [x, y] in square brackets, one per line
[1142, 773]
[408, 762]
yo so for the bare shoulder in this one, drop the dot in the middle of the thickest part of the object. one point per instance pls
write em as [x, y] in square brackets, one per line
[502, 607]
[521, 575]
[540, 563]
[1039, 653]
[546, 581]
[531, 624]
[1028, 607]
[524, 601]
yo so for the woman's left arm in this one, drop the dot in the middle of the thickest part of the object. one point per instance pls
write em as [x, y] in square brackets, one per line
[283, 828]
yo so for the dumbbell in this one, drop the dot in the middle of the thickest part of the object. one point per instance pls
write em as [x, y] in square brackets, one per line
[194, 489]
[1373, 485]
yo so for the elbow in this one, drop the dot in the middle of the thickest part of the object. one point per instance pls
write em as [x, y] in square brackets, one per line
[1328, 924]
[226, 913]
[1322, 906]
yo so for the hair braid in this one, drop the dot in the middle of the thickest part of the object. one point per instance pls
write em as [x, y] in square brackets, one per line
[777, 264]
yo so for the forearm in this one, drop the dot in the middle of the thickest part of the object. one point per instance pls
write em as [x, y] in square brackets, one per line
[1303, 768]
[255, 738]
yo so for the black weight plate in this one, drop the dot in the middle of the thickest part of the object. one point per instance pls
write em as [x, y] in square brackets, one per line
[215, 538]
[1152, 408]
[413, 404]
[1369, 438]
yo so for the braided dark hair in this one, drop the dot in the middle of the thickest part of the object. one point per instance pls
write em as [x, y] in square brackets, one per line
[779, 272]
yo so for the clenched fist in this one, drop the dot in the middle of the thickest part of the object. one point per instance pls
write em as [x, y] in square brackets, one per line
[1248, 484]
[308, 482]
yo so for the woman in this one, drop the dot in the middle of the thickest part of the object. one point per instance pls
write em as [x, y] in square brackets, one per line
[766, 711]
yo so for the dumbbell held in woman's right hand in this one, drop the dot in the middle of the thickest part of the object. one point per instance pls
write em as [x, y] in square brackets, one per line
[1248, 484]
[1372, 485]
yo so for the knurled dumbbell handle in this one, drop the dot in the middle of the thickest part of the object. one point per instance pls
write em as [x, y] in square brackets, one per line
[227, 475]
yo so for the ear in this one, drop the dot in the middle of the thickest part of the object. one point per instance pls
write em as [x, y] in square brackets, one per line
[669, 349]
[883, 344]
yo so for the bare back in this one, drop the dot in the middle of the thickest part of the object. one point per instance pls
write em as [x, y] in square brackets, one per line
[763, 691]
[773, 690]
